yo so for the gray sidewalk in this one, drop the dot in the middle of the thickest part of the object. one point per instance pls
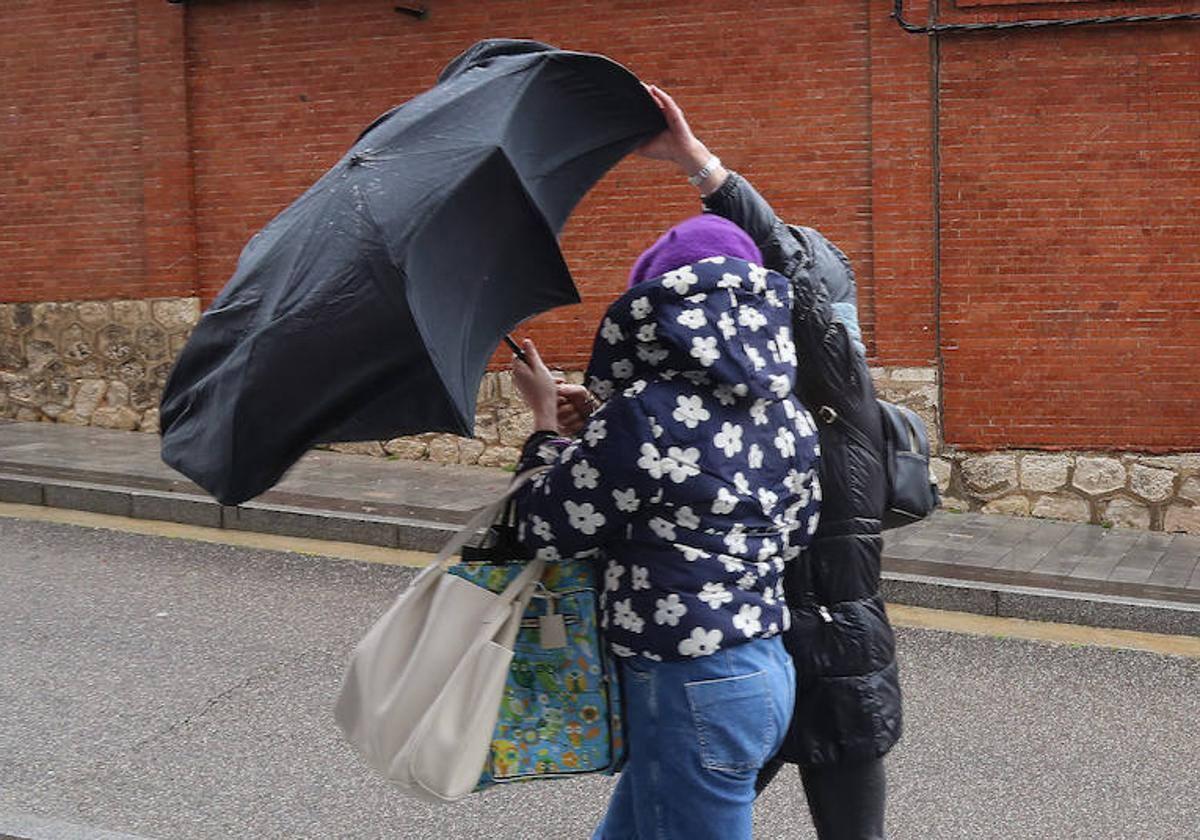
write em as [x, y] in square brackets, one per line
[992, 565]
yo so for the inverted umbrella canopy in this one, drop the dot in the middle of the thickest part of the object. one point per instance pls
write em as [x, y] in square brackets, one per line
[369, 308]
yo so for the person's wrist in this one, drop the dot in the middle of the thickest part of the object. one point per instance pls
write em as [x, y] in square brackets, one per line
[545, 418]
[715, 180]
[692, 158]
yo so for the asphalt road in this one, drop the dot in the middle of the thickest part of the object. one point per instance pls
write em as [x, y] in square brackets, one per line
[173, 690]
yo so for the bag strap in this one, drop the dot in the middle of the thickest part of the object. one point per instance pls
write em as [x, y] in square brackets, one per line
[482, 518]
[515, 599]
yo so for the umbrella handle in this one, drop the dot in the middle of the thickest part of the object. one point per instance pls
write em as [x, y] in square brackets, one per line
[516, 348]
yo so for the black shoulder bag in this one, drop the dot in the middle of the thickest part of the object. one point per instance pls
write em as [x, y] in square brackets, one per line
[912, 493]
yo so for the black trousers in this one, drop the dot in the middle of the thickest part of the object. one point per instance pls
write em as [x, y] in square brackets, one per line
[846, 801]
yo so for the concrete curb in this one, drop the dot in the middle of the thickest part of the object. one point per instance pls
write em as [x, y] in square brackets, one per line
[258, 517]
[978, 597]
[1040, 604]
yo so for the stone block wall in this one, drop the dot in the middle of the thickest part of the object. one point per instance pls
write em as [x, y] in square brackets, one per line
[1124, 490]
[1155, 492]
[502, 424]
[103, 363]
[91, 363]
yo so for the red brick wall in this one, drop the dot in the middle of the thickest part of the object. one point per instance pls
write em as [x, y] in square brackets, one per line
[280, 89]
[143, 143]
[70, 168]
[1070, 259]
[93, 143]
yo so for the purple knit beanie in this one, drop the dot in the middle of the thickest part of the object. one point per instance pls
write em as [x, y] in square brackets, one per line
[690, 241]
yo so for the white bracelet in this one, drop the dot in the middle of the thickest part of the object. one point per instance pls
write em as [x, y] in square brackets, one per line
[702, 175]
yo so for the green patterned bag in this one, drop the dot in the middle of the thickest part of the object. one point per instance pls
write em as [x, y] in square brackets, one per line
[561, 713]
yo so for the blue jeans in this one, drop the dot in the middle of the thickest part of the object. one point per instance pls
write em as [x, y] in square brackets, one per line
[699, 730]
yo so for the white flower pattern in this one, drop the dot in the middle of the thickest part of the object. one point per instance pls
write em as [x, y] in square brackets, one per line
[652, 353]
[704, 350]
[729, 439]
[690, 411]
[584, 517]
[785, 442]
[691, 554]
[724, 503]
[758, 413]
[685, 517]
[747, 620]
[681, 464]
[670, 610]
[751, 318]
[625, 617]
[735, 539]
[610, 332]
[595, 432]
[639, 577]
[755, 457]
[715, 595]
[662, 528]
[693, 319]
[612, 576]
[694, 480]
[541, 528]
[585, 476]
[701, 642]
[680, 280]
[780, 385]
[726, 325]
[626, 500]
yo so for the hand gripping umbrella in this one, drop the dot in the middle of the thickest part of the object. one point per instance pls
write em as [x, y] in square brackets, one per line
[369, 308]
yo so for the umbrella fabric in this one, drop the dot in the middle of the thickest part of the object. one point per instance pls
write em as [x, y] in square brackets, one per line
[370, 307]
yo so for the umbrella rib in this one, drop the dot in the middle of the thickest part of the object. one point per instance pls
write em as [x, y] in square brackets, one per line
[374, 225]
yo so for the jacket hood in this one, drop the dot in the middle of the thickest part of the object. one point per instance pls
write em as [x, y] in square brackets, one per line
[722, 321]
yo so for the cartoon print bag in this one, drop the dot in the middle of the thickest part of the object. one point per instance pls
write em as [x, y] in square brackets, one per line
[561, 713]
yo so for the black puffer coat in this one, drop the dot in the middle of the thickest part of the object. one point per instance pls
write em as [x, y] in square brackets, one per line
[848, 688]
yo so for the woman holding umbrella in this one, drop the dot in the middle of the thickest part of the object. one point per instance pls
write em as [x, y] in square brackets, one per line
[693, 485]
[848, 710]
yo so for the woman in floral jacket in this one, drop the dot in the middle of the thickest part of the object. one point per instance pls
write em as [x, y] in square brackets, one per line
[693, 484]
[848, 709]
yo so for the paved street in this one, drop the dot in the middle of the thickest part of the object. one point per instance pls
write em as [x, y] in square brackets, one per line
[174, 690]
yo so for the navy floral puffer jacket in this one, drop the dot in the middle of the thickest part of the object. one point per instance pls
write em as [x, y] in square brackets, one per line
[695, 482]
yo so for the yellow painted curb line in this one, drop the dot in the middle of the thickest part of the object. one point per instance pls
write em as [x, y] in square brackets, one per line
[900, 614]
[1042, 631]
[244, 539]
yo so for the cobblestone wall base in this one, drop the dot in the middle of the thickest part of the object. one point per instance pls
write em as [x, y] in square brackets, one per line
[1112, 489]
[104, 363]
[91, 363]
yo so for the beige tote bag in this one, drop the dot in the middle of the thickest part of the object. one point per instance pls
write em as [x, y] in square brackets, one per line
[422, 691]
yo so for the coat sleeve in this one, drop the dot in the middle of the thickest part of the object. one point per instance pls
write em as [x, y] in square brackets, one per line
[833, 367]
[789, 248]
[595, 485]
[738, 201]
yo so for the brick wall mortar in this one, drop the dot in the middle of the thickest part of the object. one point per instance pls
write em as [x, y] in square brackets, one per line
[1070, 258]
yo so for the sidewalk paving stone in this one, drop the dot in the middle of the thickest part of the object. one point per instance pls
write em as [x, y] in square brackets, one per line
[991, 564]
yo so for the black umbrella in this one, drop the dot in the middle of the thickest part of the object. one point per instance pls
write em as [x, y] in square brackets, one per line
[369, 308]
